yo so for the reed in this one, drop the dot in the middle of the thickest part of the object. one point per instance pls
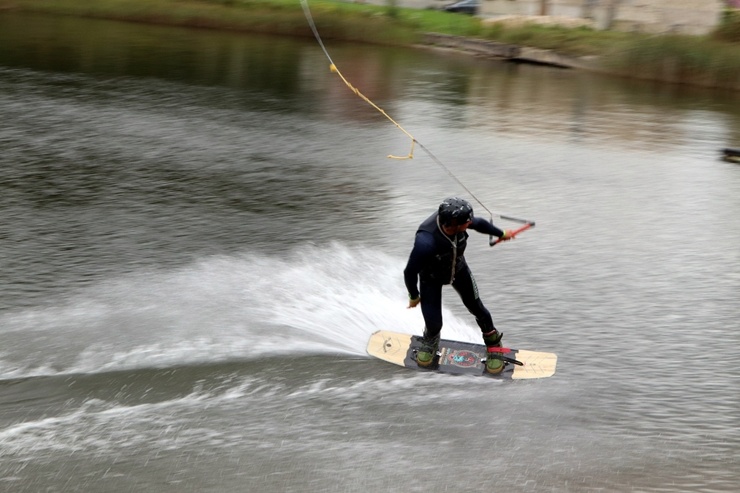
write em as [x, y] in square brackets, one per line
[729, 29]
[681, 59]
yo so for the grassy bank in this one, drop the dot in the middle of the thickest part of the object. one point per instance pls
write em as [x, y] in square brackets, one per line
[335, 20]
[708, 60]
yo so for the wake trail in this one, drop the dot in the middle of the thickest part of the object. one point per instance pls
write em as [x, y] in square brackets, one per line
[316, 300]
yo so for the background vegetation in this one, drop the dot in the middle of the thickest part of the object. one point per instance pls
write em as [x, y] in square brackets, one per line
[712, 60]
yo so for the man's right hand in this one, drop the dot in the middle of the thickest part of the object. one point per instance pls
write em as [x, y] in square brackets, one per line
[414, 302]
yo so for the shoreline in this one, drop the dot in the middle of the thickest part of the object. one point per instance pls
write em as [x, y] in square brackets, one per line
[666, 59]
[504, 51]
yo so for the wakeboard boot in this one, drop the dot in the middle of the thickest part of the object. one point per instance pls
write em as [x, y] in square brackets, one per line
[428, 351]
[492, 340]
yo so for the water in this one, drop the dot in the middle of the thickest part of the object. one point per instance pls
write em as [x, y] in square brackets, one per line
[201, 230]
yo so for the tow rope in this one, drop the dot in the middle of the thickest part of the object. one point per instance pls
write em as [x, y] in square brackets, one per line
[333, 68]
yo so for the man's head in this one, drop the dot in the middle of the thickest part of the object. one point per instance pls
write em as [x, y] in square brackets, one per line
[455, 215]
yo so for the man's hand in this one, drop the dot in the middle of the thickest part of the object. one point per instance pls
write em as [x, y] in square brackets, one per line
[508, 235]
[413, 302]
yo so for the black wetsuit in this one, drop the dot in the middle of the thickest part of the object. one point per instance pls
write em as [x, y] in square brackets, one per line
[438, 259]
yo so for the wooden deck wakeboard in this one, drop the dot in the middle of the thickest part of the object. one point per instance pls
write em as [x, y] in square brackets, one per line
[459, 358]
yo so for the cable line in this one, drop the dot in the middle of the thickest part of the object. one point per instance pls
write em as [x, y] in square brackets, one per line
[333, 68]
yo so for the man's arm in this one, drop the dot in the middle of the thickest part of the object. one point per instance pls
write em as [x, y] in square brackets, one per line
[482, 226]
[423, 249]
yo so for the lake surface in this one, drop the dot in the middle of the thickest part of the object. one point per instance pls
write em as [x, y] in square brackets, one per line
[201, 230]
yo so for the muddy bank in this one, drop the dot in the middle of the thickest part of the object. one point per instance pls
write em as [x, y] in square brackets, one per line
[493, 49]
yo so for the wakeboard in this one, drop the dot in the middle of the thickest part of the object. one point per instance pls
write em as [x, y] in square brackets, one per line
[461, 358]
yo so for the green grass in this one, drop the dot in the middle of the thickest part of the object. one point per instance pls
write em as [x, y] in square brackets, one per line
[264, 16]
[686, 59]
[575, 42]
[729, 29]
[334, 19]
[712, 60]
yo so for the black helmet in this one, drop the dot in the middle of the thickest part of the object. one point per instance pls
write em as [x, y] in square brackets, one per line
[455, 211]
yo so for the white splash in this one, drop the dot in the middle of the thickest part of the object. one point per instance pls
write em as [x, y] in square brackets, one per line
[318, 300]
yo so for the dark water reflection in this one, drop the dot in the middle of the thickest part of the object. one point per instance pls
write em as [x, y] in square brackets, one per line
[106, 49]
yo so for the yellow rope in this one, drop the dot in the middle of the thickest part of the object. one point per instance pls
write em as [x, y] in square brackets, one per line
[333, 68]
[410, 155]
